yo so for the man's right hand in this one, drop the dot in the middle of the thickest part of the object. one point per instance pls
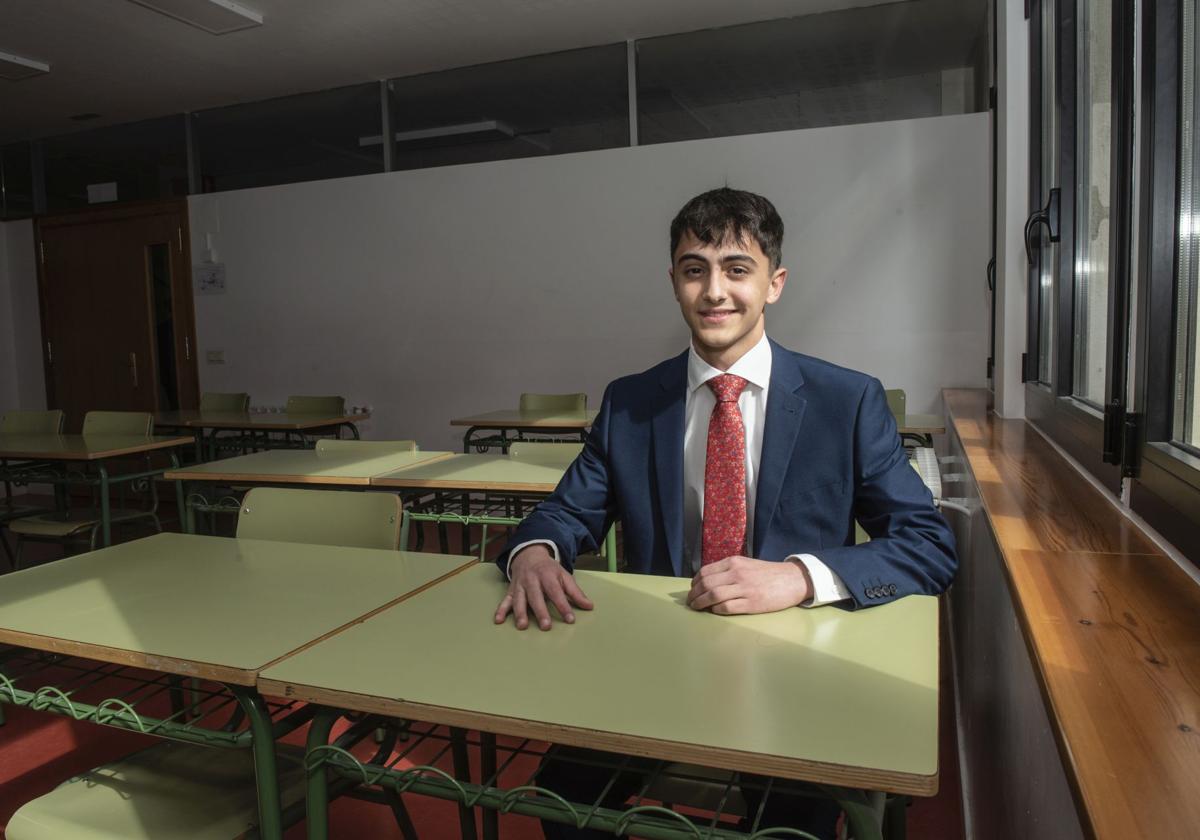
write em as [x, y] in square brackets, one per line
[535, 579]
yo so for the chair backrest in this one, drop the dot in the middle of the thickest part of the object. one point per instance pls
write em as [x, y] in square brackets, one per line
[118, 423]
[333, 406]
[545, 453]
[896, 400]
[213, 401]
[366, 448]
[32, 422]
[553, 402]
[320, 517]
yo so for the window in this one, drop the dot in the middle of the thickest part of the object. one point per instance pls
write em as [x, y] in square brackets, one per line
[1165, 466]
[551, 104]
[1093, 196]
[306, 137]
[146, 160]
[1081, 83]
[1186, 408]
[885, 62]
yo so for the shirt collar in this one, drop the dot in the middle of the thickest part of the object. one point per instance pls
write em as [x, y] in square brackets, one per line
[754, 366]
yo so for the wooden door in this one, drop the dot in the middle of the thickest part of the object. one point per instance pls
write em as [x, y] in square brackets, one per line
[116, 310]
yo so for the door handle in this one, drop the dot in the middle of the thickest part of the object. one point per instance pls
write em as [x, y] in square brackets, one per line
[991, 275]
[1048, 216]
[133, 368]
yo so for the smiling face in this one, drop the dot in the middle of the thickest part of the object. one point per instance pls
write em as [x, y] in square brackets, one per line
[723, 289]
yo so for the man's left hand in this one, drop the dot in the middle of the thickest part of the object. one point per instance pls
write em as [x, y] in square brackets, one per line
[742, 585]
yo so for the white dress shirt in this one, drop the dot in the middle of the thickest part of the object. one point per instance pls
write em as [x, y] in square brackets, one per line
[755, 368]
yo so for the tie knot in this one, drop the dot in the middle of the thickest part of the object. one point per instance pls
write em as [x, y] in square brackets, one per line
[727, 387]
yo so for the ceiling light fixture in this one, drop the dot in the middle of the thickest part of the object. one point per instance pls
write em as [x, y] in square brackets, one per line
[217, 17]
[485, 127]
[17, 67]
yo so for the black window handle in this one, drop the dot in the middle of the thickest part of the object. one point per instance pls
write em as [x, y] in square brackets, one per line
[1048, 216]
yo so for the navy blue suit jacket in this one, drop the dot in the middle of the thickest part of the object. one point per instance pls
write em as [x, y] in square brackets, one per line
[830, 455]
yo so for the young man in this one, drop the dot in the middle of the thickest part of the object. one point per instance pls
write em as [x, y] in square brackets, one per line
[737, 463]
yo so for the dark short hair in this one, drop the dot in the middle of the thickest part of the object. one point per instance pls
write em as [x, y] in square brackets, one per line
[725, 215]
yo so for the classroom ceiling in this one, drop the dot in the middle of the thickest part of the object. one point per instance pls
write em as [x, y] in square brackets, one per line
[125, 62]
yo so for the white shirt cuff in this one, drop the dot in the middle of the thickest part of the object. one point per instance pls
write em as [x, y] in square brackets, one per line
[827, 586]
[526, 544]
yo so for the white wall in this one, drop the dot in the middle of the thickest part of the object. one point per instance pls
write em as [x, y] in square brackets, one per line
[435, 293]
[22, 383]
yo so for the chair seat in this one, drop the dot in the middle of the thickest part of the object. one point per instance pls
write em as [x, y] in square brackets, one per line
[58, 525]
[171, 790]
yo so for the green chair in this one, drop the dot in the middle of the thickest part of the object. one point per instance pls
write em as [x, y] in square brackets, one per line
[228, 440]
[553, 402]
[236, 403]
[24, 423]
[175, 791]
[69, 525]
[321, 517]
[366, 448]
[32, 422]
[328, 406]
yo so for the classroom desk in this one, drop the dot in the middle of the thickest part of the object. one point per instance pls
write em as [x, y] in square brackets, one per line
[45, 459]
[293, 467]
[572, 423]
[921, 427]
[458, 476]
[210, 608]
[216, 421]
[839, 698]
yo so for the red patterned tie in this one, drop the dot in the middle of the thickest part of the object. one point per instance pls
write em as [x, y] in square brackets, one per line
[724, 528]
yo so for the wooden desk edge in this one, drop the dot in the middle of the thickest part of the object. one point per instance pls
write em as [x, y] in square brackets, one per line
[450, 484]
[90, 455]
[814, 771]
[117, 656]
[268, 478]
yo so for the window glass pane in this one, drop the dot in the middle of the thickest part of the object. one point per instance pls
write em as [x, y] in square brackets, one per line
[1048, 271]
[146, 160]
[1093, 198]
[570, 101]
[886, 62]
[1187, 373]
[16, 181]
[306, 137]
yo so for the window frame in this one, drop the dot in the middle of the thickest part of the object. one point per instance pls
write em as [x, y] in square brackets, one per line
[1089, 433]
[1165, 486]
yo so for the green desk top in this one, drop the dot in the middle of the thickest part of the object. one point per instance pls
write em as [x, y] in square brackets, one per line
[513, 418]
[497, 473]
[823, 694]
[264, 421]
[211, 607]
[921, 424]
[82, 447]
[303, 466]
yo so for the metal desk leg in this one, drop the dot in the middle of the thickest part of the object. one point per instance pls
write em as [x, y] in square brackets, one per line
[462, 770]
[487, 769]
[180, 500]
[317, 797]
[354, 431]
[266, 771]
[105, 506]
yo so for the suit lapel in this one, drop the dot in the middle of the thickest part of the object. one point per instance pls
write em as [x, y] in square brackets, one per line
[785, 412]
[668, 454]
